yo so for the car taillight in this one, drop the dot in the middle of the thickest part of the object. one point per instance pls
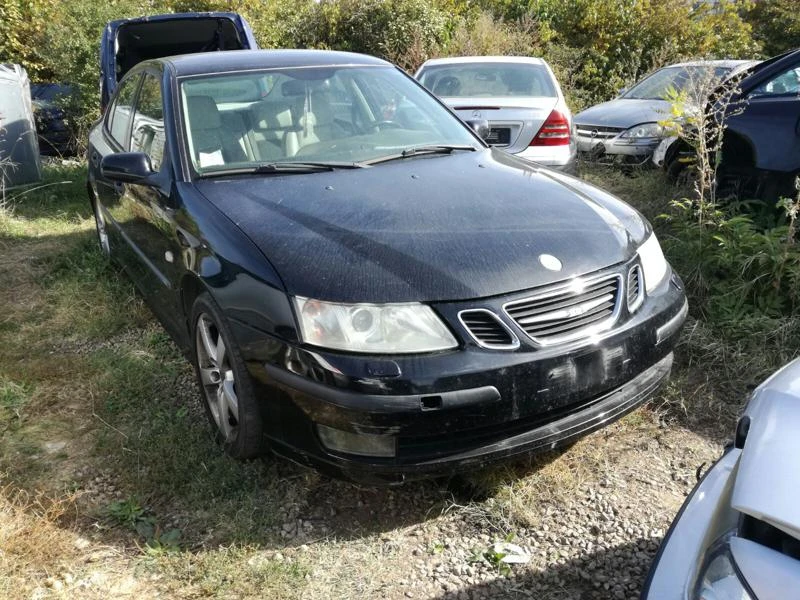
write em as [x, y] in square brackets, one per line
[555, 131]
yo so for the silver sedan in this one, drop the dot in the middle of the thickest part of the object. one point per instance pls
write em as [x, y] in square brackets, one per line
[738, 534]
[518, 96]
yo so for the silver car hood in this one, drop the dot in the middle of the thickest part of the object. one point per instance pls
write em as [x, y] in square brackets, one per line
[768, 481]
[624, 113]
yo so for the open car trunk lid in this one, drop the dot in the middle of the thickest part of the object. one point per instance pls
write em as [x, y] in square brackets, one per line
[127, 42]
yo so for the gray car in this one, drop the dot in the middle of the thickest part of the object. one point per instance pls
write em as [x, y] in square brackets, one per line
[738, 533]
[626, 129]
[518, 96]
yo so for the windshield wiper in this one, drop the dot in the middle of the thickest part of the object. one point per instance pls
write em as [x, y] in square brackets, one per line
[287, 167]
[304, 167]
[421, 150]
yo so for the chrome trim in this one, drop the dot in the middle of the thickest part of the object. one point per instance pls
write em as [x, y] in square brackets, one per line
[671, 326]
[640, 297]
[514, 339]
[586, 332]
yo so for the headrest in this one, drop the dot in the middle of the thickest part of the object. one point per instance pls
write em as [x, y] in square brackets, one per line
[203, 113]
[293, 87]
[272, 115]
[447, 86]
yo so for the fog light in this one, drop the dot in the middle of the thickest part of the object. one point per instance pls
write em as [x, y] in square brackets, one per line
[362, 444]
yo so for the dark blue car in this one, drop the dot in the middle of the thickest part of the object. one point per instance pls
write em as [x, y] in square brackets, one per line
[360, 282]
[761, 144]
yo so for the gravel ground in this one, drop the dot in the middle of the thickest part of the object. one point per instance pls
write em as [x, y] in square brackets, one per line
[596, 543]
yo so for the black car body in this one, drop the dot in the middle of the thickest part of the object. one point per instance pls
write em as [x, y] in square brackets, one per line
[56, 136]
[761, 144]
[560, 309]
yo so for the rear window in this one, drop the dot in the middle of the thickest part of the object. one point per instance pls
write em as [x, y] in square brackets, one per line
[465, 80]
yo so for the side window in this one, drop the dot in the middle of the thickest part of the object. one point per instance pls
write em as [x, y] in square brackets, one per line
[119, 115]
[148, 121]
[785, 84]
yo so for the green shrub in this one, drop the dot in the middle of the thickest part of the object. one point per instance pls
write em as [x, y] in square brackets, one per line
[733, 269]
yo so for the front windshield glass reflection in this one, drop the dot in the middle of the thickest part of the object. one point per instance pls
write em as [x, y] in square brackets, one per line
[319, 114]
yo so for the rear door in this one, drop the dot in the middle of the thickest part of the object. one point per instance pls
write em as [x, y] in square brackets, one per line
[771, 121]
[113, 136]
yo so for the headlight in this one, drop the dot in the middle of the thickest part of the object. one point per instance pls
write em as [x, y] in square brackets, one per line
[372, 328]
[654, 264]
[720, 581]
[644, 130]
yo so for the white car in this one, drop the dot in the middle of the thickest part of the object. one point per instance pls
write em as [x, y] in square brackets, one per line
[518, 96]
[737, 536]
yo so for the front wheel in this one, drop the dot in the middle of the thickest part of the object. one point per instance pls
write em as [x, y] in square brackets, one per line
[225, 384]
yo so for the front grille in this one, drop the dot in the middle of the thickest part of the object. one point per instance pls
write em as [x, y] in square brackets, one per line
[487, 330]
[598, 132]
[568, 311]
[635, 295]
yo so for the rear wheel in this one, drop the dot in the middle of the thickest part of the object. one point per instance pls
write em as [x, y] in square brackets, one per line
[225, 384]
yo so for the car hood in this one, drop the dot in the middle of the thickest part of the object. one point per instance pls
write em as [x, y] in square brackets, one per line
[429, 228]
[768, 480]
[624, 113]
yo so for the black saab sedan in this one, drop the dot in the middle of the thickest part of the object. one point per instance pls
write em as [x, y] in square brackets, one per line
[361, 283]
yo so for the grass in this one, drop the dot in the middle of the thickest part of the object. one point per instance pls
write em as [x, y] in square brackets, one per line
[105, 451]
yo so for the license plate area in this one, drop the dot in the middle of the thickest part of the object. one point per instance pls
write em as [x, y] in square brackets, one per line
[499, 136]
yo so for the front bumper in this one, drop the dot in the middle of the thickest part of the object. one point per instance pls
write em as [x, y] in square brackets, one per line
[617, 149]
[460, 409]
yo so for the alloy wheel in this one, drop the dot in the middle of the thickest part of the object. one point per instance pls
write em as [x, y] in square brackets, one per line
[217, 377]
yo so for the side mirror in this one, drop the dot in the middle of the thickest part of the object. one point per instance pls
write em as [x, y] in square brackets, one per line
[479, 126]
[127, 167]
[621, 91]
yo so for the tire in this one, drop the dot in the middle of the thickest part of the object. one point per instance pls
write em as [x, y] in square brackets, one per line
[100, 227]
[226, 389]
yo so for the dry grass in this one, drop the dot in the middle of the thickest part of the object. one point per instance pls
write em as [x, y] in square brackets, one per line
[34, 542]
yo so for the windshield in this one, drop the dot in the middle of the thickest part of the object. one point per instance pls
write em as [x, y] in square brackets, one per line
[657, 85]
[464, 80]
[340, 115]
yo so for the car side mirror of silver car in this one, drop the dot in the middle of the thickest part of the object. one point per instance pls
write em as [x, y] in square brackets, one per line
[479, 126]
[621, 91]
[127, 167]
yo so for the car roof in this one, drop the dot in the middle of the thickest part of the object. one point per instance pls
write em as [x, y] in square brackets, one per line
[530, 60]
[245, 60]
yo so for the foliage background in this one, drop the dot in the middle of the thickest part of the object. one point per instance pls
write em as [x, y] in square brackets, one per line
[595, 46]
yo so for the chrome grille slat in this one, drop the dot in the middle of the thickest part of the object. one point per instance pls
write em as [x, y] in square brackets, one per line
[488, 330]
[635, 292]
[575, 323]
[569, 311]
[562, 314]
[520, 313]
